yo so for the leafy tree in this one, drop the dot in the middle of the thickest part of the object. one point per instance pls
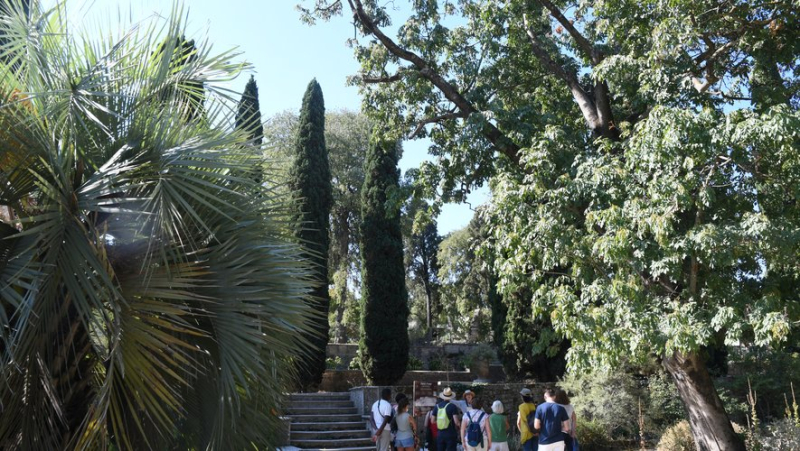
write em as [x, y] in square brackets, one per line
[423, 269]
[310, 180]
[146, 299]
[347, 139]
[383, 346]
[248, 114]
[643, 162]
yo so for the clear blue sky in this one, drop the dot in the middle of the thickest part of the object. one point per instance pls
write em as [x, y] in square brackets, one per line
[286, 55]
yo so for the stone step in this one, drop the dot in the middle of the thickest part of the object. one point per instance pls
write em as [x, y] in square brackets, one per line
[355, 448]
[336, 444]
[329, 435]
[323, 396]
[343, 403]
[320, 410]
[343, 425]
[317, 418]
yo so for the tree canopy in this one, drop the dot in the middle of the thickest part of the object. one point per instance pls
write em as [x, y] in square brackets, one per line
[147, 299]
[310, 183]
[637, 152]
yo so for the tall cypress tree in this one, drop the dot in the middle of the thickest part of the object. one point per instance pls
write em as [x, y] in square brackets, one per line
[248, 115]
[384, 313]
[310, 179]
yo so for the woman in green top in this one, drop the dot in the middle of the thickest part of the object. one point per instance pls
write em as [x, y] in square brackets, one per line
[499, 426]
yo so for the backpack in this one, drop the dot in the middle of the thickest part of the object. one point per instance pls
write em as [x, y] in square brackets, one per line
[474, 431]
[442, 420]
[531, 420]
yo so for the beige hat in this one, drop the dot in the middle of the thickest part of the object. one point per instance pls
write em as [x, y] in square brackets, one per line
[525, 392]
[468, 392]
[447, 394]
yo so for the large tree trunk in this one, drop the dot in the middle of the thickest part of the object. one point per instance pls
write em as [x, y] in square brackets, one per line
[711, 427]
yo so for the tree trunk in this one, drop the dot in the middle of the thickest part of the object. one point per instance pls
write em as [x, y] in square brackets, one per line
[711, 427]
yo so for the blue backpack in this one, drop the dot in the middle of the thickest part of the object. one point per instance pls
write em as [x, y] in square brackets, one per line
[474, 431]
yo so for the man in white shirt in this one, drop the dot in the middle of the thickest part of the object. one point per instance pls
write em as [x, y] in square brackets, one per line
[381, 417]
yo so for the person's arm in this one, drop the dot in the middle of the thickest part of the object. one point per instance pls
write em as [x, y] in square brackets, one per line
[574, 421]
[565, 426]
[463, 430]
[519, 423]
[488, 432]
[537, 424]
[457, 420]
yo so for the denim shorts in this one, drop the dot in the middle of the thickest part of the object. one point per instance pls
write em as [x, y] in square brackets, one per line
[404, 443]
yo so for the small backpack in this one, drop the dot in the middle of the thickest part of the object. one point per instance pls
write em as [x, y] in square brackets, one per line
[474, 431]
[531, 420]
[442, 420]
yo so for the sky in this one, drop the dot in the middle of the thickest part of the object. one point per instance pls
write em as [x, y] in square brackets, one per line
[286, 55]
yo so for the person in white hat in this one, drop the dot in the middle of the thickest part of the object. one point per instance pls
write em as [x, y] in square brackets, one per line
[447, 421]
[465, 403]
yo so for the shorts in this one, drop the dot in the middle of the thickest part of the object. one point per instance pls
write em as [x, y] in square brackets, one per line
[404, 443]
[499, 446]
[557, 446]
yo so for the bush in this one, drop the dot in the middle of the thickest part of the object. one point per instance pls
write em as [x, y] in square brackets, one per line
[609, 399]
[414, 364]
[664, 407]
[592, 436]
[770, 373]
[781, 435]
[677, 437]
[481, 352]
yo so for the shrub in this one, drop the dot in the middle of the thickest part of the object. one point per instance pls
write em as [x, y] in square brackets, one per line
[608, 399]
[781, 435]
[677, 437]
[592, 436]
[414, 364]
[481, 352]
[664, 407]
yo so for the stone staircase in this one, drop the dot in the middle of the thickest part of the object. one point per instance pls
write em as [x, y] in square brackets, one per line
[326, 421]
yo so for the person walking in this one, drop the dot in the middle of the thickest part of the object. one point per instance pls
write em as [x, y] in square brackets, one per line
[551, 422]
[570, 438]
[527, 437]
[381, 417]
[498, 423]
[447, 422]
[406, 427]
[465, 402]
[430, 431]
[475, 419]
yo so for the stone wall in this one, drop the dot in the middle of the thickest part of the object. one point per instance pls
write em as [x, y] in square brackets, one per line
[426, 353]
[344, 380]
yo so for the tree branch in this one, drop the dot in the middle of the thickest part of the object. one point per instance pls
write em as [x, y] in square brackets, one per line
[435, 119]
[388, 79]
[588, 49]
[585, 102]
[500, 141]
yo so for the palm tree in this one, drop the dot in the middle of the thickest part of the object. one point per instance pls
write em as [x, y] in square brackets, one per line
[148, 299]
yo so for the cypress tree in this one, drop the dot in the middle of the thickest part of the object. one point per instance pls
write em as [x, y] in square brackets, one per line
[248, 115]
[310, 179]
[384, 312]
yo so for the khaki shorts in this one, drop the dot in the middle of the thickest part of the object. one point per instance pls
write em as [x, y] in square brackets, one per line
[557, 446]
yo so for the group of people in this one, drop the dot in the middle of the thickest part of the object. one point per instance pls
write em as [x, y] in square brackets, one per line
[549, 426]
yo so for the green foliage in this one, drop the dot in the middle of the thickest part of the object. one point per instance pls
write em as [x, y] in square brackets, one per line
[608, 399]
[771, 374]
[423, 275]
[414, 364]
[248, 114]
[480, 353]
[148, 299]
[677, 437]
[593, 436]
[664, 407]
[643, 165]
[347, 137]
[781, 435]
[310, 181]
[384, 339]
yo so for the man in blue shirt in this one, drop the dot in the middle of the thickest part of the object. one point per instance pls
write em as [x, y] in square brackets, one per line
[448, 436]
[551, 420]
